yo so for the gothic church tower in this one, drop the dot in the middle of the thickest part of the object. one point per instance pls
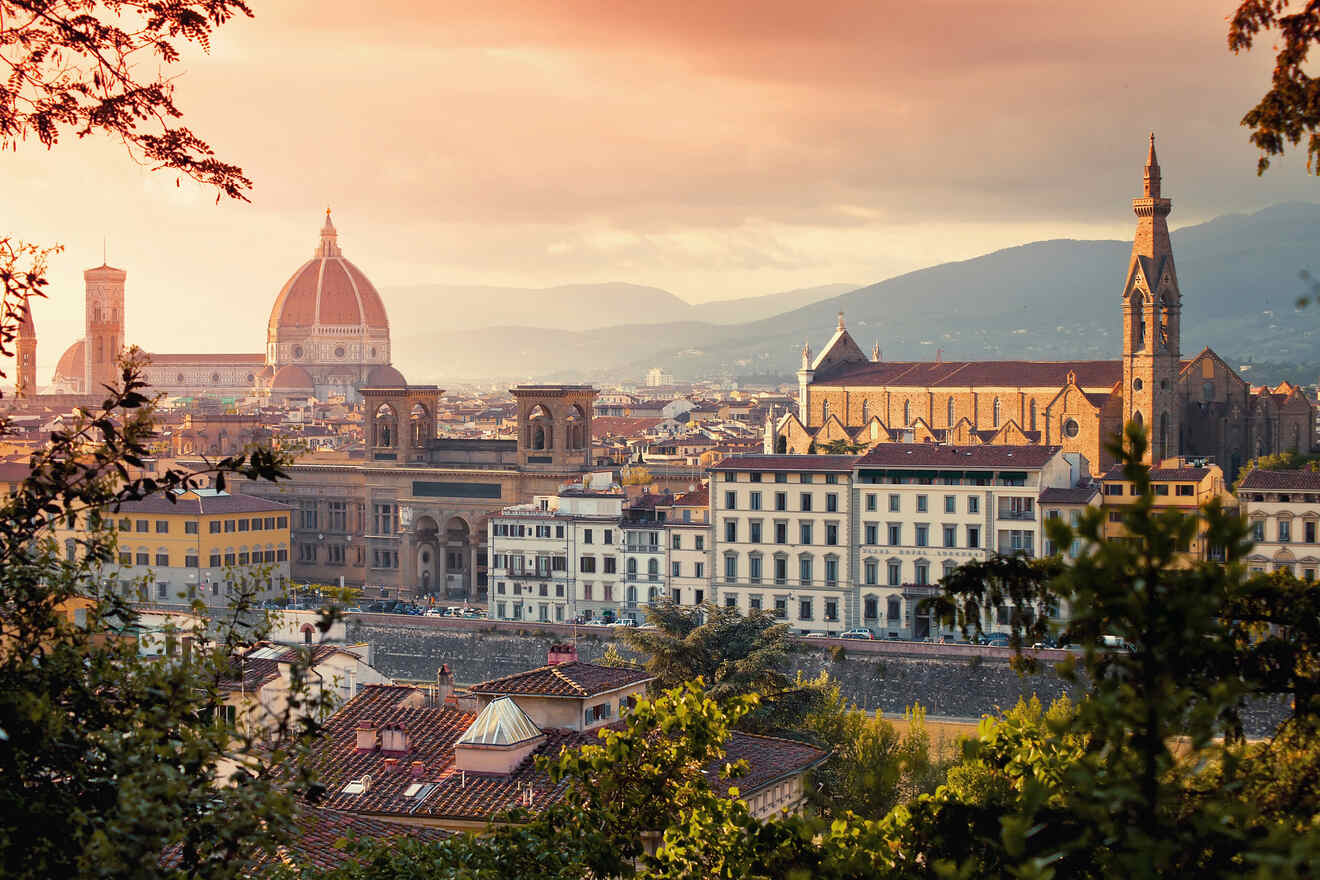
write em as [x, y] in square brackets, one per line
[1152, 307]
[25, 355]
[104, 337]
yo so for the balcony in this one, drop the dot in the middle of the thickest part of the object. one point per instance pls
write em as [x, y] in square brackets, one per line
[1018, 515]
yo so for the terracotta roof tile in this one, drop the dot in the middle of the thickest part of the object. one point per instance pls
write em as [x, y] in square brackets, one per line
[445, 792]
[958, 374]
[1281, 481]
[573, 679]
[831, 463]
[927, 455]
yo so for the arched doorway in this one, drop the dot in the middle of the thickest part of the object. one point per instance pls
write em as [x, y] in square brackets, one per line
[426, 540]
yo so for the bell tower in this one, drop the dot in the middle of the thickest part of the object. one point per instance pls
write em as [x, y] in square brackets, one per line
[1152, 309]
[25, 355]
[104, 316]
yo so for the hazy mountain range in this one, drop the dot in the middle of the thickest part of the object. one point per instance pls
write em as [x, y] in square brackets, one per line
[1047, 300]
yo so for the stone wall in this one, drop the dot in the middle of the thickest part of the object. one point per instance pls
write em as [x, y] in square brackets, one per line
[948, 681]
[964, 687]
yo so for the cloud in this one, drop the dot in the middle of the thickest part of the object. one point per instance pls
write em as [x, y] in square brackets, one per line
[714, 148]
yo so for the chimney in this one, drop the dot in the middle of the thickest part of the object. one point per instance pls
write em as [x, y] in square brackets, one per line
[394, 739]
[417, 768]
[562, 653]
[366, 736]
[391, 764]
[444, 684]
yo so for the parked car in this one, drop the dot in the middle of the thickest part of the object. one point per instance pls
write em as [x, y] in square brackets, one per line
[624, 622]
[997, 640]
[858, 634]
[434, 612]
[816, 635]
[474, 614]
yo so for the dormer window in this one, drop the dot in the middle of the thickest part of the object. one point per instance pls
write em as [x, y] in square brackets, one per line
[358, 786]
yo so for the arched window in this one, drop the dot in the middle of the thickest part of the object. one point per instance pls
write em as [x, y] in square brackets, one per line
[907, 413]
[866, 411]
[632, 595]
[1033, 416]
[996, 413]
[1138, 419]
[824, 411]
[632, 566]
[948, 416]
[652, 566]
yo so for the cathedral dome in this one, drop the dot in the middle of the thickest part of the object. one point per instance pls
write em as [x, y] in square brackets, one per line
[291, 378]
[70, 366]
[385, 376]
[328, 293]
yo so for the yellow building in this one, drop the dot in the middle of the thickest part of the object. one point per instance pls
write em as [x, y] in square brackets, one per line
[202, 545]
[1178, 484]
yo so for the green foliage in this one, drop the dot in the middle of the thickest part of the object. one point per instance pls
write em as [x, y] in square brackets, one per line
[109, 760]
[842, 447]
[736, 655]
[614, 658]
[1290, 108]
[1280, 461]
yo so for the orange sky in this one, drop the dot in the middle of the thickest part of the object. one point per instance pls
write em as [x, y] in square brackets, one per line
[713, 148]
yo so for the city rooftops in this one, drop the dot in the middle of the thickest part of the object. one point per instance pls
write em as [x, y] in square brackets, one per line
[978, 457]
[824, 463]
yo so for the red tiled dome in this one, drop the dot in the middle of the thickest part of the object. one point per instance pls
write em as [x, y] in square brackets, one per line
[71, 362]
[385, 376]
[328, 290]
[292, 378]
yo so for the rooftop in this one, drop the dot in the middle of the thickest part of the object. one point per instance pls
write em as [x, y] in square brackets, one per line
[833, 463]
[573, 679]
[1281, 481]
[927, 455]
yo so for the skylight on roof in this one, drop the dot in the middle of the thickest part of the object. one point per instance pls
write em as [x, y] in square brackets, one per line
[358, 786]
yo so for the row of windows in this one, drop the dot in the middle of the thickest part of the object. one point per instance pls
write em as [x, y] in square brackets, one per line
[922, 503]
[518, 530]
[1283, 531]
[894, 533]
[242, 556]
[806, 569]
[784, 477]
[806, 607]
[1182, 490]
[216, 527]
[805, 501]
[806, 532]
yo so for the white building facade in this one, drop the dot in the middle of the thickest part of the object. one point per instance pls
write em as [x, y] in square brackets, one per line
[783, 532]
[557, 559]
[1282, 509]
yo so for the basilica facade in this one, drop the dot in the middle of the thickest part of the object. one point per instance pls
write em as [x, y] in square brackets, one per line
[1195, 406]
[327, 336]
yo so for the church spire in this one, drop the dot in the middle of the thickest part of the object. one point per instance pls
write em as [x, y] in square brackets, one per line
[1151, 186]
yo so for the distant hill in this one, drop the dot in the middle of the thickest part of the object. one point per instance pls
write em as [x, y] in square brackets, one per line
[1046, 300]
[581, 307]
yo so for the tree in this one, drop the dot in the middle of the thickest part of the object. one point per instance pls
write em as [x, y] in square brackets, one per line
[736, 655]
[110, 763]
[843, 447]
[1291, 107]
[85, 67]
[108, 760]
